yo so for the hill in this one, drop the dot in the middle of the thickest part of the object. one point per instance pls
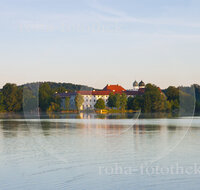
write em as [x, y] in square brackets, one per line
[62, 86]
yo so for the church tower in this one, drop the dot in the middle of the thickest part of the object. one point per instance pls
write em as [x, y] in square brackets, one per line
[135, 86]
[141, 84]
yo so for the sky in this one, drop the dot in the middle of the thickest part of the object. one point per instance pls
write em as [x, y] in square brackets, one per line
[99, 42]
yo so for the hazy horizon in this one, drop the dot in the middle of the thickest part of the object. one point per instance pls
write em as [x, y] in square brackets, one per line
[95, 43]
[100, 87]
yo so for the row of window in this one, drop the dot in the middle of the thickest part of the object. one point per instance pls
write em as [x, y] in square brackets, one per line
[86, 106]
[97, 96]
[93, 100]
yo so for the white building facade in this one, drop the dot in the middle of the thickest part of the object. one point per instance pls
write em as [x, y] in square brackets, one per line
[91, 97]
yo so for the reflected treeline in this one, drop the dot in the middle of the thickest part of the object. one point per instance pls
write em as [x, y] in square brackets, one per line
[9, 125]
[11, 115]
[111, 116]
[82, 115]
[147, 128]
[158, 115]
[12, 128]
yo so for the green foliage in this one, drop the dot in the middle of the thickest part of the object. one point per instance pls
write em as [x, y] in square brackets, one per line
[174, 105]
[172, 93]
[151, 101]
[130, 103]
[137, 103]
[197, 107]
[117, 100]
[30, 102]
[123, 101]
[181, 99]
[111, 100]
[197, 96]
[67, 103]
[100, 104]
[168, 106]
[60, 89]
[176, 99]
[2, 107]
[12, 97]
[154, 100]
[190, 98]
[79, 101]
[61, 86]
[45, 96]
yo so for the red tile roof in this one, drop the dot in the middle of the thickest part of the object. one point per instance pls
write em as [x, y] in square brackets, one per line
[114, 88]
[99, 92]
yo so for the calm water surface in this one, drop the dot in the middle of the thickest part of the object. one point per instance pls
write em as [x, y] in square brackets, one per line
[100, 154]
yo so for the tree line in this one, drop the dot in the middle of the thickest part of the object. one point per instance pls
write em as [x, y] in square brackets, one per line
[153, 100]
[15, 98]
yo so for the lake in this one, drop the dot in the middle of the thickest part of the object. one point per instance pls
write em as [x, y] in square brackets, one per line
[101, 153]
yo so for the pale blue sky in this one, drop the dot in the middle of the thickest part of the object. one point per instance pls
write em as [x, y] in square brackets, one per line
[95, 42]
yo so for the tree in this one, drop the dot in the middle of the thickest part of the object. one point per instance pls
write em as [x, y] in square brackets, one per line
[67, 103]
[172, 93]
[154, 99]
[168, 106]
[30, 101]
[45, 96]
[79, 101]
[117, 101]
[60, 89]
[123, 101]
[137, 103]
[114, 100]
[197, 107]
[100, 104]
[161, 103]
[175, 105]
[147, 103]
[130, 102]
[2, 107]
[12, 97]
[111, 100]
[197, 96]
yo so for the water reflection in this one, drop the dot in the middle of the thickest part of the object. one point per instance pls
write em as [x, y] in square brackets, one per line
[66, 153]
[84, 115]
